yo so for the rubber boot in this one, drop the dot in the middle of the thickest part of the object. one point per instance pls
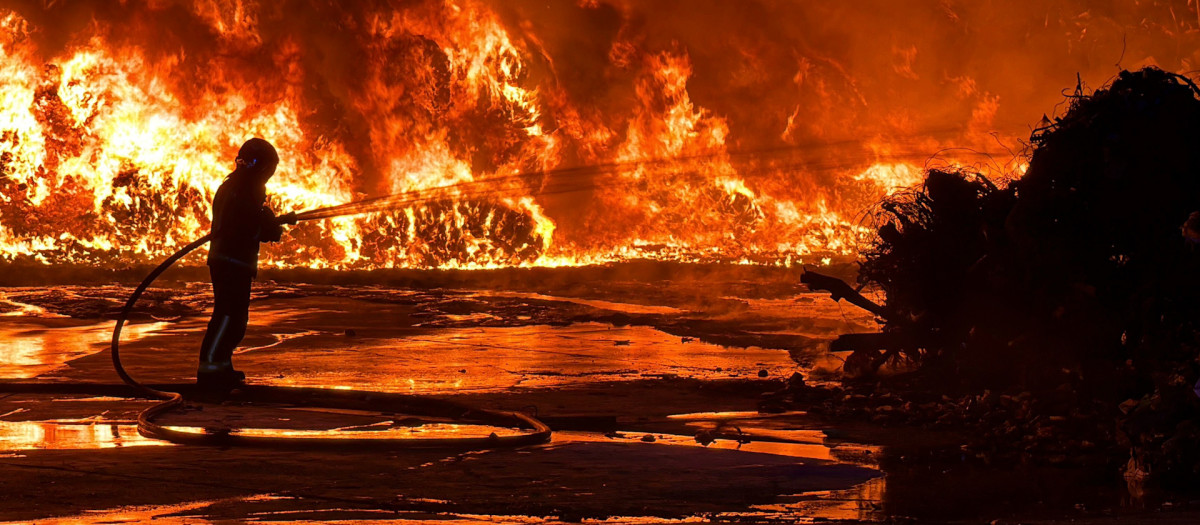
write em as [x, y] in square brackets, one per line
[216, 366]
[231, 337]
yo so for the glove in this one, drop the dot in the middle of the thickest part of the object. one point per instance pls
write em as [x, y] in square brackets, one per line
[269, 229]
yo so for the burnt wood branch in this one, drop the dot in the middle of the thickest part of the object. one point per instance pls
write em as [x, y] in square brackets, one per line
[839, 289]
[873, 349]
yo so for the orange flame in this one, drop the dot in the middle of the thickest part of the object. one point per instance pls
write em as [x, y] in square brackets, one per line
[111, 147]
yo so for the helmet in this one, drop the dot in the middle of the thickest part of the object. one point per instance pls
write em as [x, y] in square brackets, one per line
[257, 153]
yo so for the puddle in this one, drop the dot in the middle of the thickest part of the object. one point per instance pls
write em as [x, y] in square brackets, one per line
[627, 308]
[380, 432]
[69, 435]
[814, 453]
[163, 514]
[87, 434]
[812, 445]
[29, 350]
[754, 425]
[489, 359]
[864, 502]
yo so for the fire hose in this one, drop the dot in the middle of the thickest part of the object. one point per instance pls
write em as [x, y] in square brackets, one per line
[317, 397]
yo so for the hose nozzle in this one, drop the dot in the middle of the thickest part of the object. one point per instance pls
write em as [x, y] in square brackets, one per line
[288, 218]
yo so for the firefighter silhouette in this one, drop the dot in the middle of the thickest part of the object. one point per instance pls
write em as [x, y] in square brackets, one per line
[240, 222]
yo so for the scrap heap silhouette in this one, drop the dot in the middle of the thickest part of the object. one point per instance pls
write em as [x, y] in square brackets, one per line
[1079, 282]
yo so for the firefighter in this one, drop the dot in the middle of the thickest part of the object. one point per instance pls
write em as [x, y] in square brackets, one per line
[240, 222]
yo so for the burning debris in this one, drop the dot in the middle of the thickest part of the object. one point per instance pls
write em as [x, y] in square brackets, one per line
[761, 149]
[110, 144]
[1072, 284]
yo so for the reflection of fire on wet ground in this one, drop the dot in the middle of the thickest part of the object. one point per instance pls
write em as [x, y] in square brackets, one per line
[427, 341]
[640, 355]
[79, 434]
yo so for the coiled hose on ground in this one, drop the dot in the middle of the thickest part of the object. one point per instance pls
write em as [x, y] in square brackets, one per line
[325, 398]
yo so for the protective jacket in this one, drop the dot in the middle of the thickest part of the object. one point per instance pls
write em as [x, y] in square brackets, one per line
[240, 222]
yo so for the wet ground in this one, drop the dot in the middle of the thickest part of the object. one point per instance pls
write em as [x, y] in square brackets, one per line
[652, 386]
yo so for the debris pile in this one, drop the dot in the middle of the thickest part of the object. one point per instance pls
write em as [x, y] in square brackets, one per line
[1007, 428]
[1081, 279]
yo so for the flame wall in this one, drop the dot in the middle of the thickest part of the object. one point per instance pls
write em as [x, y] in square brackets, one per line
[750, 131]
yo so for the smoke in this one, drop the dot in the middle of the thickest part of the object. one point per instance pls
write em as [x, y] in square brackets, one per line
[779, 72]
[844, 85]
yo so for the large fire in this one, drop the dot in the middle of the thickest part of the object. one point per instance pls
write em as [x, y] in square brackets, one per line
[728, 131]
